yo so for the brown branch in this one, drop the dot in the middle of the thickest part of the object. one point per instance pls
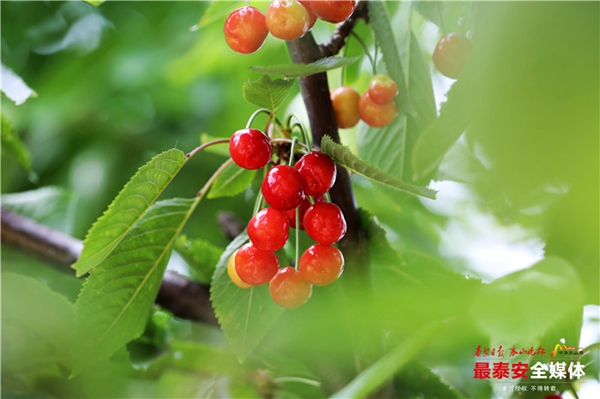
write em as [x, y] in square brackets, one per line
[184, 298]
[338, 39]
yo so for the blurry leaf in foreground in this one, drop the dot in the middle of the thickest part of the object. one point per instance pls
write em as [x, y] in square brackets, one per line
[299, 70]
[525, 304]
[14, 87]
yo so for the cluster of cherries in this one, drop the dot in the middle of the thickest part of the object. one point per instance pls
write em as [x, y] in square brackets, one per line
[376, 106]
[247, 27]
[295, 195]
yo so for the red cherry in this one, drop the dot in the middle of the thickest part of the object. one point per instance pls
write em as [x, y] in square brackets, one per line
[288, 289]
[282, 188]
[287, 19]
[382, 89]
[334, 11]
[311, 14]
[345, 106]
[255, 267]
[233, 274]
[374, 114]
[250, 148]
[317, 172]
[451, 54]
[245, 30]
[321, 264]
[553, 396]
[269, 229]
[325, 223]
[291, 214]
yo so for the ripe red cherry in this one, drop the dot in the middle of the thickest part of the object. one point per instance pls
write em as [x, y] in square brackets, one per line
[287, 19]
[250, 148]
[382, 89]
[553, 396]
[321, 264]
[376, 115]
[245, 30]
[291, 214]
[334, 11]
[255, 267]
[345, 106]
[451, 54]
[269, 229]
[325, 223]
[288, 289]
[233, 274]
[312, 17]
[317, 172]
[282, 188]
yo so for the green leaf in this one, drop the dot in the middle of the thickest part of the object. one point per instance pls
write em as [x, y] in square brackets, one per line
[384, 35]
[503, 309]
[383, 369]
[266, 92]
[455, 116]
[116, 298]
[95, 3]
[299, 70]
[11, 144]
[245, 315]
[51, 206]
[31, 306]
[343, 156]
[232, 181]
[201, 255]
[128, 208]
[14, 87]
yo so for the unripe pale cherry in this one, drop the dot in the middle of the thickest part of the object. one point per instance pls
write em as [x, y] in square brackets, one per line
[288, 289]
[269, 229]
[233, 274]
[245, 30]
[376, 115]
[334, 11]
[255, 267]
[324, 222]
[282, 188]
[321, 264]
[345, 106]
[317, 172]
[451, 54]
[382, 89]
[250, 148]
[287, 19]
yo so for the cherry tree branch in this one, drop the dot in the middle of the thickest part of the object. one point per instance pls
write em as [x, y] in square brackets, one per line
[338, 39]
[184, 298]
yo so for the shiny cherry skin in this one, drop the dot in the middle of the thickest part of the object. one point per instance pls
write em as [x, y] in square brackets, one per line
[255, 267]
[282, 188]
[287, 19]
[321, 264]
[269, 229]
[312, 17]
[250, 148]
[345, 106]
[245, 30]
[233, 274]
[317, 172]
[376, 115]
[324, 222]
[291, 214]
[334, 11]
[382, 89]
[288, 289]
[451, 54]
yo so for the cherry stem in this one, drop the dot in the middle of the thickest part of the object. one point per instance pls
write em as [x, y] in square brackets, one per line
[300, 126]
[205, 145]
[214, 176]
[289, 141]
[292, 148]
[366, 50]
[256, 113]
